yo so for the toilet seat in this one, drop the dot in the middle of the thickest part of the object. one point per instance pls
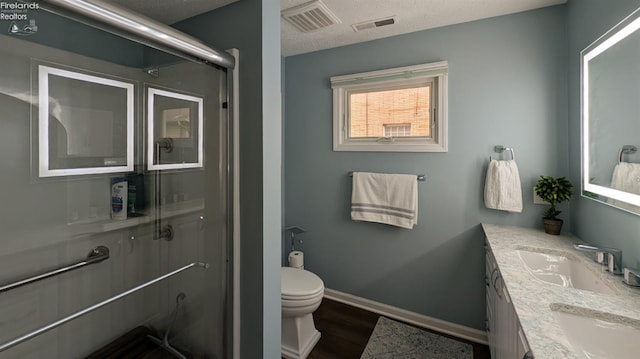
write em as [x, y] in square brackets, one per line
[293, 300]
[300, 284]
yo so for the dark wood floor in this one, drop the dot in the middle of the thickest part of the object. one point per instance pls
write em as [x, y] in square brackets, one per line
[346, 330]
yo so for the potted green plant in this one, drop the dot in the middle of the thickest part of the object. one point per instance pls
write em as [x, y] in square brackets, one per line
[554, 191]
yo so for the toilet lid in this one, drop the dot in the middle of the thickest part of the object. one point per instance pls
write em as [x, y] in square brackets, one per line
[300, 283]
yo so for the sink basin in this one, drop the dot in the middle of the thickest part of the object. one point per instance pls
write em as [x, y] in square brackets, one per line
[563, 269]
[597, 335]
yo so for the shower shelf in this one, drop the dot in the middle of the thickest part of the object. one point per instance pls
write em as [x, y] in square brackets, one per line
[108, 225]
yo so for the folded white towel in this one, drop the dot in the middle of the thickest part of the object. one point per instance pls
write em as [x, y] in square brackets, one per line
[626, 177]
[502, 188]
[385, 198]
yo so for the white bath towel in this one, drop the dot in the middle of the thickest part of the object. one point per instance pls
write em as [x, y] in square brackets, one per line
[385, 198]
[502, 189]
[626, 177]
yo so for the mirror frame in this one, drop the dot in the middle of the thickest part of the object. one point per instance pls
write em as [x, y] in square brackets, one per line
[43, 122]
[616, 34]
[151, 140]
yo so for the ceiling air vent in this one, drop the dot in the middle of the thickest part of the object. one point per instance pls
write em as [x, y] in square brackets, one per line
[373, 23]
[310, 16]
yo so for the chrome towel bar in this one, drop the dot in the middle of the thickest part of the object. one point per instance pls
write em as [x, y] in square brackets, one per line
[71, 317]
[96, 255]
[421, 177]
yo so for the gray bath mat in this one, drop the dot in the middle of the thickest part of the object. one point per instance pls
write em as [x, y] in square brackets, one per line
[394, 340]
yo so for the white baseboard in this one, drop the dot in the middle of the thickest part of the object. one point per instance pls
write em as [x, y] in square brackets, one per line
[420, 320]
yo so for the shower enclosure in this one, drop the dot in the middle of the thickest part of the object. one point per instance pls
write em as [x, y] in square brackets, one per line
[116, 199]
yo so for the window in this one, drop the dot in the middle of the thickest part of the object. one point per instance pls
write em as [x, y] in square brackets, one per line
[397, 110]
[403, 130]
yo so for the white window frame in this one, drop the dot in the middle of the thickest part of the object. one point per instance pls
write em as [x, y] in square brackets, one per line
[400, 77]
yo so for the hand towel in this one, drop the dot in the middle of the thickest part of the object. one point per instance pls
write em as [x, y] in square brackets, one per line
[385, 198]
[626, 177]
[502, 189]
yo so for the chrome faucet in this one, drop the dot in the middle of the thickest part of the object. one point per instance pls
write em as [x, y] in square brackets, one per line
[611, 257]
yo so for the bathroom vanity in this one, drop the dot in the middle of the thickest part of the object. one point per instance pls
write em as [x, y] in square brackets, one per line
[547, 300]
[506, 339]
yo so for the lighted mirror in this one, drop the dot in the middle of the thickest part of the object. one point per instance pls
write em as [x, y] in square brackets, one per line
[85, 123]
[611, 117]
[174, 130]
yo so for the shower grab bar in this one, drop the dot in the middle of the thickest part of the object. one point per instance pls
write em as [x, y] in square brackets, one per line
[78, 314]
[420, 177]
[96, 255]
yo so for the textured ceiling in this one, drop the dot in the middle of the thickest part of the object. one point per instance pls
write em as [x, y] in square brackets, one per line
[410, 16]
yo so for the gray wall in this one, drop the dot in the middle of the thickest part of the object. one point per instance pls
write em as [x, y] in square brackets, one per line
[507, 86]
[252, 26]
[593, 221]
[272, 206]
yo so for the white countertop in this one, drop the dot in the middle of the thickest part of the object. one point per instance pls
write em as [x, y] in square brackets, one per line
[532, 298]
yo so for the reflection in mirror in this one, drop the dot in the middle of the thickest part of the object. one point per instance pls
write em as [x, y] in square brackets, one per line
[176, 123]
[611, 116]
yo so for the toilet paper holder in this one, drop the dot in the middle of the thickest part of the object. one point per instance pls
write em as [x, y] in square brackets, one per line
[294, 230]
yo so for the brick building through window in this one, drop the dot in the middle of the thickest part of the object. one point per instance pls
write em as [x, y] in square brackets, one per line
[396, 113]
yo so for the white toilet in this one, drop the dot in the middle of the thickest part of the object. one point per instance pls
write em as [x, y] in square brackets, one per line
[302, 293]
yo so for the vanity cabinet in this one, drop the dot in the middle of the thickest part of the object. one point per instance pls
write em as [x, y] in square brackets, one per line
[506, 339]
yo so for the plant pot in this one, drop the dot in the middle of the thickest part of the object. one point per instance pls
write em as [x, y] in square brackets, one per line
[552, 226]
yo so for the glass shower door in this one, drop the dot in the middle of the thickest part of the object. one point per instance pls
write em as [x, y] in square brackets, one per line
[190, 195]
[113, 168]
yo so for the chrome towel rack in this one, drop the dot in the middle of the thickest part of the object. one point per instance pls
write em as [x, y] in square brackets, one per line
[98, 254]
[80, 313]
[420, 177]
[626, 150]
[501, 149]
